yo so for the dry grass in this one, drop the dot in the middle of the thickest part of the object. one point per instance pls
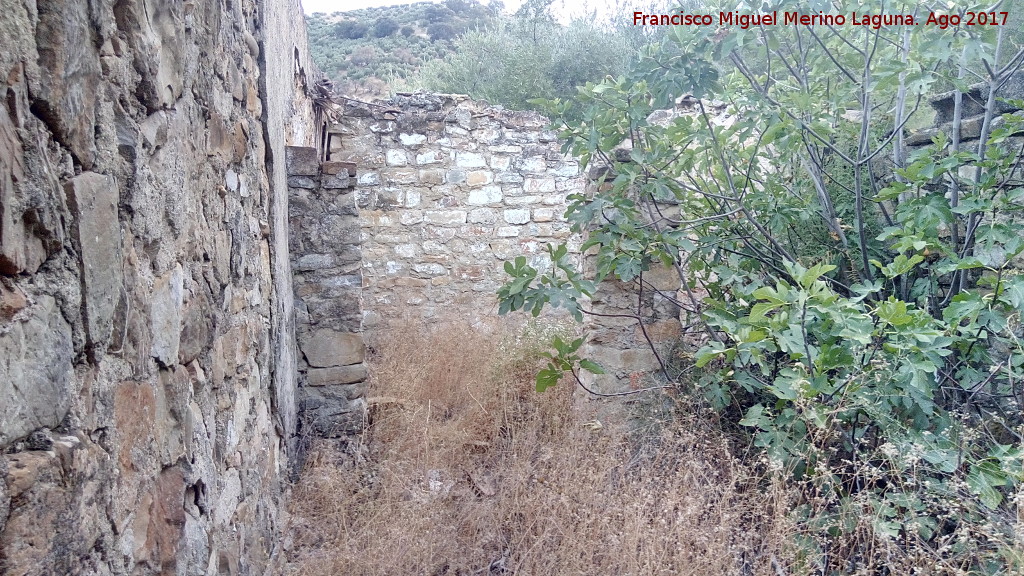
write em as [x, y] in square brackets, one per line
[470, 471]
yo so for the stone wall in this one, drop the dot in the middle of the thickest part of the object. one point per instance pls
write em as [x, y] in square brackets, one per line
[327, 276]
[448, 190]
[147, 364]
[620, 340]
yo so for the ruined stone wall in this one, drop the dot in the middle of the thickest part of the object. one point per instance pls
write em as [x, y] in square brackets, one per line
[147, 362]
[448, 190]
[327, 276]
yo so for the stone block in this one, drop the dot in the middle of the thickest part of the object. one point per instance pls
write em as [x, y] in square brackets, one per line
[21, 249]
[430, 269]
[338, 168]
[508, 232]
[488, 135]
[432, 247]
[412, 140]
[409, 217]
[522, 200]
[479, 178]
[196, 328]
[369, 179]
[483, 216]
[12, 301]
[534, 165]
[429, 157]
[570, 185]
[517, 216]
[506, 149]
[663, 278]
[336, 375]
[301, 161]
[231, 180]
[508, 178]
[407, 250]
[314, 262]
[543, 214]
[328, 412]
[539, 185]
[485, 195]
[93, 201]
[165, 316]
[67, 93]
[663, 331]
[324, 348]
[432, 177]
[402, 177]
[305, 182]
[501, 162]
[444, 217]
[36, 372]
[567, 169]
[455, 177]
[154, 129]
[470, 160]
[335, 181]
[396, 157]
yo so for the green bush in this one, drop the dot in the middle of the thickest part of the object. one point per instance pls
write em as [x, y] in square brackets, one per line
[385, 27]
[514, 62]
[860, 319]
[441, 31]
[350, 29]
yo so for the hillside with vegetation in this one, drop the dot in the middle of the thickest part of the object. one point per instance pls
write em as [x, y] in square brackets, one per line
[372, 50]
[465, 47]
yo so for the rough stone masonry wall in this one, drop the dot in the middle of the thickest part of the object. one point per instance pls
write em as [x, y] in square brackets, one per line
[143, 409]
[326, 265]
[449, 189]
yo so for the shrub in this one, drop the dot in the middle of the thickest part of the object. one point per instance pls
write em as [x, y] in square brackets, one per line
[350, 29]
[384, 27]
[441, 31]
[363, 56]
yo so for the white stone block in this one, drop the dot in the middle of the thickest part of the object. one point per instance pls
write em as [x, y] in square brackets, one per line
[396, 157]
[517, 216]
[430, 269]
[470, 160]
[500, 162]
[485, 195]
[543, 214]
[429, 157]
[534, 164]
[483, 216]
[369, 179]
[539, 185]
[412, 139]
[406, 250]
[408, 217]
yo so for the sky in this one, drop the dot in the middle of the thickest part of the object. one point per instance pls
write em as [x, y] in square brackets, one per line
[329, 6]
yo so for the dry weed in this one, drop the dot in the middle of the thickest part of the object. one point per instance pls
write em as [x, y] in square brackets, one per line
[470, 471]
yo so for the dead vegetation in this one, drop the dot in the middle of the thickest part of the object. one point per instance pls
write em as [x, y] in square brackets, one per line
[465, 469]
